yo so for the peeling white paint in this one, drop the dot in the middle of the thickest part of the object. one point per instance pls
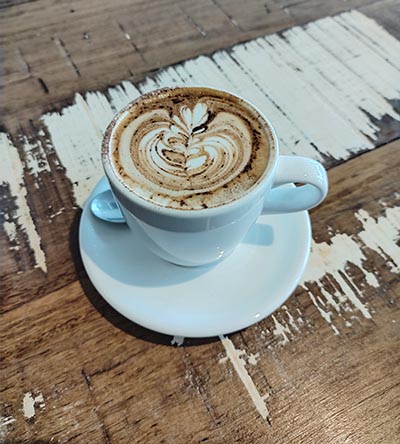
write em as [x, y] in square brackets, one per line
[326, 315]
[351, 291]
[57, 213]
[323, 72]
[285, 329]
[35, 158]
[122, 94]
[12, 174]
[223, 360]
[78, 131]
[371, 35]
[11, 231]
[30, 402]
[291, 320]
[239, 364]
[177, 340]
[280, 331]
[329, 258]
[331, 261]
[5, 421]
[77, 140]
[253, 358]
[381, 235]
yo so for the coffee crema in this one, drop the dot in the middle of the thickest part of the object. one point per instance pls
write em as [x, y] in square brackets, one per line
[189, 148]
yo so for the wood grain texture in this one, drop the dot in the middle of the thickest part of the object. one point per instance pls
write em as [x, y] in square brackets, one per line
[323, 368]
[102, 376]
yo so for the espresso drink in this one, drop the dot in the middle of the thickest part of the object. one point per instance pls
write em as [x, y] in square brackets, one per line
[189, 148]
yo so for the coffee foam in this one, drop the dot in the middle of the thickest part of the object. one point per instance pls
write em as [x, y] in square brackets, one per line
[189, 148]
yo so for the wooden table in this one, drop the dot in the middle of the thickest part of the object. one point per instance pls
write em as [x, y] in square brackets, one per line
[325, 367]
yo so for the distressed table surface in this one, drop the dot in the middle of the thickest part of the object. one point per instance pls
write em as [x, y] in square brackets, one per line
[325, 367]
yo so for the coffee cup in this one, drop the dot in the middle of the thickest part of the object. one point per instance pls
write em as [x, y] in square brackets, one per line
[193, 168]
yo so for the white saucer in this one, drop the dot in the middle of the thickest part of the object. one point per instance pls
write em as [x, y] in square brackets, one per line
[196, 302]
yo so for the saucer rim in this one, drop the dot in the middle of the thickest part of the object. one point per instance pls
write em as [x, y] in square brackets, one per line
[164, 328]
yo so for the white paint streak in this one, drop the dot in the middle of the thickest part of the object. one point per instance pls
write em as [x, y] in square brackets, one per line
[78, 131]
[77, 140]
[35, 157]
[57, 213]
[334, 299]
[239, 364]
[223, 360]
[350, 290]
[280, 331]
[326, 315]
[362, 62]
[291, 319]
[5, 421]
[284, 329]
[30, 402]
[253, 358]
[349, 65]
[12, 174]
[123, 94]
[329, 258]
[11, 231]
[177, 340]
[98, 110]
[318, 84]
[331, 261]
[373, 36]
[381, 235]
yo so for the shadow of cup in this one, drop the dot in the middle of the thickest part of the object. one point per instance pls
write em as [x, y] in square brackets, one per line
[260, 234]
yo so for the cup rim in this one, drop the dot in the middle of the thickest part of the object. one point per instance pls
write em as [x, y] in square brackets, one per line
[176, 212]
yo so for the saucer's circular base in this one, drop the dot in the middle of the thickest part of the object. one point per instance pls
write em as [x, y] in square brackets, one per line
[196, 302]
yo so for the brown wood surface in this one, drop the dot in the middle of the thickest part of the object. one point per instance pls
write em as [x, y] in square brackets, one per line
[107, 380]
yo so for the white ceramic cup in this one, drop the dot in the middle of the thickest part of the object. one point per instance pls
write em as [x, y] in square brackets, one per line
[198, 237]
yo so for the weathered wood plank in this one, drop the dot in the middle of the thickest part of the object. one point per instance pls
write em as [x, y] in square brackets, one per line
[52, 49]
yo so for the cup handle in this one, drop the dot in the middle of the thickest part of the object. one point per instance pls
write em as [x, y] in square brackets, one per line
[296, 169]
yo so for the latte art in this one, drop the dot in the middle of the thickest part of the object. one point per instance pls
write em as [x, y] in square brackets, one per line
[189, 148]
[183, 153]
